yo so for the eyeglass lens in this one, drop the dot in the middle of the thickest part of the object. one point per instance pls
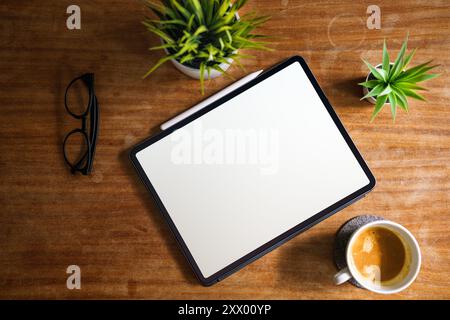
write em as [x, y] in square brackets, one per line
[76, 149]
[77, 97]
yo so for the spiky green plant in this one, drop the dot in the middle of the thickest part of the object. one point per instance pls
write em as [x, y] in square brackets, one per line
[393, 83]
[203, 33]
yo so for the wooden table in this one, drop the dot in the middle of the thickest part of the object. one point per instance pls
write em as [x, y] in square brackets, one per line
[107, 223]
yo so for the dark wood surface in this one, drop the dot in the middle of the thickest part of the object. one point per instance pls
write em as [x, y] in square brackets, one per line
[107, 223]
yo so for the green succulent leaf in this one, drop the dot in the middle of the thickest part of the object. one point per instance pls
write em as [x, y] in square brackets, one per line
[190, 22]
[369, 84]
[218, 68]
[398, 64]
[173, 21]
[187, 58]
[159, 10]
[160, 62]
[161, 47]
[197, 9]
[161, 33]
[209, 5]
[387, 90]
[378, 106]
[393, 102]
[417, 70]
[422, 77]
[177, 6]
[202, 75]
[408, 59]
[386, 62]
[376, 72]
[412, 94]
[375, 91]
[409, 85]
[401, 99]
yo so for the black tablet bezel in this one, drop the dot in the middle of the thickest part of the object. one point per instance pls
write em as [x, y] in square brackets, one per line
[272, 244]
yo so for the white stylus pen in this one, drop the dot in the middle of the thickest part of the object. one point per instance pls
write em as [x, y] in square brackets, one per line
[210, 99]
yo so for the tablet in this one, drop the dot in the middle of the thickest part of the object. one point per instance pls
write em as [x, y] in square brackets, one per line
[252, 170]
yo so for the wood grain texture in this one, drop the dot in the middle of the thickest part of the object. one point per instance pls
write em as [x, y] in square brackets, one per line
[108, 225]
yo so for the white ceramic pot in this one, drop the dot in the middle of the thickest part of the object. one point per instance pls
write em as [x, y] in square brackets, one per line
[366, 91]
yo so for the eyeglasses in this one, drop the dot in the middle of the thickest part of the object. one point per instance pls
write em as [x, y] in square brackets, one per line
[79, 144]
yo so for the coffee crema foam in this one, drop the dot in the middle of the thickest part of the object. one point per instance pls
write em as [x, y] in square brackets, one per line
[380, 256]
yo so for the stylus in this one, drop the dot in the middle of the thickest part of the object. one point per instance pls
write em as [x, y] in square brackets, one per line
[210, 99]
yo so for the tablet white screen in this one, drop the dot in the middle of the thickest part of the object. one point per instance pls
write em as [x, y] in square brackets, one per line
[251, 169]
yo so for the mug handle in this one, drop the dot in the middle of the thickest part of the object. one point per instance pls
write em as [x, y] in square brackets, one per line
[342, 276]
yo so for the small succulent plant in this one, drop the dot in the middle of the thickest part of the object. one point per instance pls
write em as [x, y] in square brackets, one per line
[393, 83]
[202, 34]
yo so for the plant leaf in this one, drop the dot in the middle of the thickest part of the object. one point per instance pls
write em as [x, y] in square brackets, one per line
[158, 32]
[239, 4]
[200, 30]
[375, 91]
[417, 70]
[202, 77]
[369, 84]
[159, 10]
[423, 77]
[386, 61]
[181, 9]
[393, 103]
[387, 90]
[408, 59]
[400, 92]
[374, 71]
[163, 46]
[409, 85]
[378, 106]
[173, 21]
[383, 73]
[186, 58]
[218, 68]
[160, 62]
[398, 64]
[209, 72]
[198, 11]
[222, 9]
[209, 11]
[401, 98]
[190, 22]
[413, 94]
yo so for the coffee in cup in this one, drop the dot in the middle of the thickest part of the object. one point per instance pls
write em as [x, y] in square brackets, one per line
[382, 256]
[379, 255]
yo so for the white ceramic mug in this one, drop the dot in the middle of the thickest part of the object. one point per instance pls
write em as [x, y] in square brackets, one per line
[413, 255]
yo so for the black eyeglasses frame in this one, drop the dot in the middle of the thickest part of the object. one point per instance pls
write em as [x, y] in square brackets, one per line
[85, 163]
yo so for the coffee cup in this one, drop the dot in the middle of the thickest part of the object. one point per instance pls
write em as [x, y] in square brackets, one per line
[382, 256]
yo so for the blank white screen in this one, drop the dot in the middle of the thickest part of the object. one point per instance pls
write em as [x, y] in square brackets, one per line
[224, 211]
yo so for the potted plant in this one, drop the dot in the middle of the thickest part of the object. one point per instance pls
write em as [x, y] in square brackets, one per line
[391, 83]
[203, 37]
